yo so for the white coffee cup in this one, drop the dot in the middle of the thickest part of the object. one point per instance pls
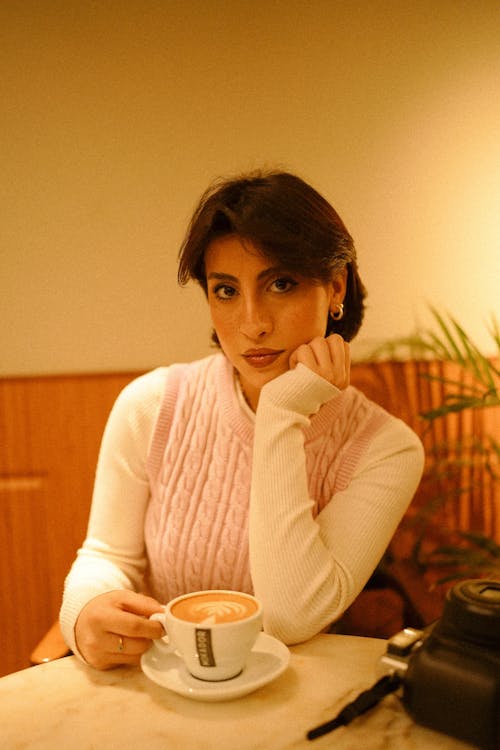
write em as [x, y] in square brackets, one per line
[212, 631]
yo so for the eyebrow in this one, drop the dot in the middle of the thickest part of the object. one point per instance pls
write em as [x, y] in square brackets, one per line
[262, 275]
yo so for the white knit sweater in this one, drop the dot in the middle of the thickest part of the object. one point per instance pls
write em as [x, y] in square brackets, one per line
[296, 503]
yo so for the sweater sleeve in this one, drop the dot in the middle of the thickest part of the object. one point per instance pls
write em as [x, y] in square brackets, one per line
[112, 555]
[308, 570]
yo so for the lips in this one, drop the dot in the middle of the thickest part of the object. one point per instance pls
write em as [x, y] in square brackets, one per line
[261, 357]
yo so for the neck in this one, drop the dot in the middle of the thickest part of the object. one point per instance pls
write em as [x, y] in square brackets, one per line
[244, 394]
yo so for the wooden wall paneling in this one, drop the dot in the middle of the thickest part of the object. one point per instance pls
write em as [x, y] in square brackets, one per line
[50, 432]
[458, 488]
[22, 564]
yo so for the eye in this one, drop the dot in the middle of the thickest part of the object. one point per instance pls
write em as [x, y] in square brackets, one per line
[223, 291]
[283, 284]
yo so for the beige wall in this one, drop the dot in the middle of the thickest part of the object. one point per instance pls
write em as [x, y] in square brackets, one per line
[115, 114]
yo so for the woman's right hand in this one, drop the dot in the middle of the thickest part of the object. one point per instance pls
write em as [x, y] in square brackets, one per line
[329, 357]
[114, 628]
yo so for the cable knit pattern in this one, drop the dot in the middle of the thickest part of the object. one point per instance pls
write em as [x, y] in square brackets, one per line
[200, 475]
[197, 523]
[332, 456]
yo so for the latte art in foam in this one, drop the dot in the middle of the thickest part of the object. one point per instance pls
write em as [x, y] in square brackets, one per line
[221, 610]
[213, 608]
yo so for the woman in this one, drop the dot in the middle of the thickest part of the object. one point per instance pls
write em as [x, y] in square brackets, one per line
[258, 468]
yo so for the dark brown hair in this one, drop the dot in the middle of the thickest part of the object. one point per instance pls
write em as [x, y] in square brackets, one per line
[289, 222]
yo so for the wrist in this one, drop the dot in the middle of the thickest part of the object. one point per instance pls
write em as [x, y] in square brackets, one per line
[300, 390]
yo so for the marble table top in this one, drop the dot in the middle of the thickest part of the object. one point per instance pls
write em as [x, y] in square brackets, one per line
[65, 704]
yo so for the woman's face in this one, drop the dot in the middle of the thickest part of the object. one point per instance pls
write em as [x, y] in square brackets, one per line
[262, 313]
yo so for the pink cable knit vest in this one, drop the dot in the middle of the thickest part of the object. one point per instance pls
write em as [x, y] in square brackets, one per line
[199, 466]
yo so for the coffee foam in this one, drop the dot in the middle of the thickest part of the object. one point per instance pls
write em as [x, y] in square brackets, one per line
[214, 608]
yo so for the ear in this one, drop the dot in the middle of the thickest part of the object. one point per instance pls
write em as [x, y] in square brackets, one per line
[338, 288]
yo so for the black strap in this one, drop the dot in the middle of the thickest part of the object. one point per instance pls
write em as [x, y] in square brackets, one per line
[360, 705]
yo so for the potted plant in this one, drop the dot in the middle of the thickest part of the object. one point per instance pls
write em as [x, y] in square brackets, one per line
[466, 391]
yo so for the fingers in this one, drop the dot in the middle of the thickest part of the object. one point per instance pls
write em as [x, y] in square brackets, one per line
[122, 649]
[340, 355]
[328, 357]
[140, 604]
[113, 628]
[347, 363]
[132, 614]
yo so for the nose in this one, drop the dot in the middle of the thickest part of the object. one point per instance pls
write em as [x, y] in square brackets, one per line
[255, 321]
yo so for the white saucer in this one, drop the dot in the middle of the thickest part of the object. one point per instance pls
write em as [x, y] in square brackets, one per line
[268, 659]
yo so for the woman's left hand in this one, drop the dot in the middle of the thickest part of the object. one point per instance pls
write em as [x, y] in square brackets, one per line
[329, 357]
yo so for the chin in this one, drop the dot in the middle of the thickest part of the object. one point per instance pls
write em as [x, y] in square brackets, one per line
[259, 380]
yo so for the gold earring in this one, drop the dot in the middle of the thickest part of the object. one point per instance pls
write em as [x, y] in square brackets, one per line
[339, 312]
